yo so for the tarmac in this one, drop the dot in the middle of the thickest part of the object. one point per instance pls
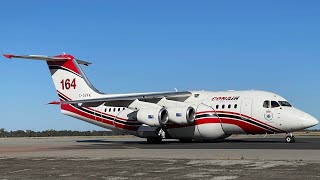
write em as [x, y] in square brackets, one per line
[238, 157]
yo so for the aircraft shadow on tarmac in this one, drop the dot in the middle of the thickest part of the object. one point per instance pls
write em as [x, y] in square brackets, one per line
[252, 143]
[177, 142]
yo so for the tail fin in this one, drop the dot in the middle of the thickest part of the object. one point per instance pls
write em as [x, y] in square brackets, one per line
[68, 77]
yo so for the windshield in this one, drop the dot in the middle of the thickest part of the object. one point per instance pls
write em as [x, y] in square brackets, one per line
[274, 104]
[285, 103]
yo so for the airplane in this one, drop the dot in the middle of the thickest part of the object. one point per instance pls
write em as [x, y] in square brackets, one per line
[186, 115]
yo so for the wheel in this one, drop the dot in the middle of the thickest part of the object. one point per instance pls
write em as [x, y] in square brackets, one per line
[153, 140]
[290, 139]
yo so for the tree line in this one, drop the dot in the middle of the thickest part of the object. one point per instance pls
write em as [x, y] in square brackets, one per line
[55, 133]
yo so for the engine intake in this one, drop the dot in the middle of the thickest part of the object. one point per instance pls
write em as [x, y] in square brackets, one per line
[182, 115]
[153, 116]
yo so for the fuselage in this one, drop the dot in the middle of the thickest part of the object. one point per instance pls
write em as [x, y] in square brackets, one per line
[219, 115]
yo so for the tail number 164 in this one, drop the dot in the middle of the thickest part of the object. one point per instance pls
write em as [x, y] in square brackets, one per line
[67, 84]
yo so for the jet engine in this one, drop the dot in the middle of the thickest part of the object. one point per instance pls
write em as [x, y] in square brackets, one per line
[153, 116]
[182, 114]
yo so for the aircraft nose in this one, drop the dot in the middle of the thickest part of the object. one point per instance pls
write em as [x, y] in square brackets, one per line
[310, 121]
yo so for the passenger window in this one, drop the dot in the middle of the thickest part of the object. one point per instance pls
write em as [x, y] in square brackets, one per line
[114, 109]
[229, 106]
[217, 106]
[118, 109]
[266, 104]
[105, 110]
[223, 106]
[235, 106]
[109, 109]
[274, 104]
[124, 108]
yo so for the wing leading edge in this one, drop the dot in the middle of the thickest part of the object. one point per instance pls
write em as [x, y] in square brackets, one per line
[120, 99]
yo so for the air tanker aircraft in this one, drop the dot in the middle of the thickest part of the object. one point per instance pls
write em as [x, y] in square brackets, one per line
[187, 115]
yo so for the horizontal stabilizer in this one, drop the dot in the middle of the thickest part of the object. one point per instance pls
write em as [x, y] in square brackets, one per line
[63, 57]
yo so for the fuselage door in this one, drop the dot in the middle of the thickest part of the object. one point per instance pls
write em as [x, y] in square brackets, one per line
[246, 108]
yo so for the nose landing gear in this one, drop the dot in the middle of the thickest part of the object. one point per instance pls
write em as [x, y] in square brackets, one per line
[290, 138]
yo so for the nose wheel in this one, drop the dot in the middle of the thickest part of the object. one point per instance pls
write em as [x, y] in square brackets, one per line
[290, 138]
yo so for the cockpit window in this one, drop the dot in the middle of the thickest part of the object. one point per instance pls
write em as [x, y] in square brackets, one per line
[266, 104]
[284, 103]
[274, 104]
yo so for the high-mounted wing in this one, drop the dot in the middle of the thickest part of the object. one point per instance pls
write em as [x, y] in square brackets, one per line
[127, 99]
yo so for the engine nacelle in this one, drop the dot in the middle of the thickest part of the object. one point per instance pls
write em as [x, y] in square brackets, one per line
[153, 116]
[182, 115]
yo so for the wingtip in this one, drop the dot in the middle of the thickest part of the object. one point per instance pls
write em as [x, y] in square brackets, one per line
[9, 56]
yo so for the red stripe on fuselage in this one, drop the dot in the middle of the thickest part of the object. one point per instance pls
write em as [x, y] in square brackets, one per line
[98, 111]
[70, 108]
[247, 127]
[251, 118]
[101, 112]
[235, 113]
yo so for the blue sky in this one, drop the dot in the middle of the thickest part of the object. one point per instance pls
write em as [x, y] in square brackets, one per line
[139, 46]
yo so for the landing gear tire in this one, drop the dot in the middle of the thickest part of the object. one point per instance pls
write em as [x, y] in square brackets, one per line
[290, 139]
[154, 140]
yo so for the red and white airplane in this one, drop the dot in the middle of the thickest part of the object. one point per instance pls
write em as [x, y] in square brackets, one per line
[187, 116]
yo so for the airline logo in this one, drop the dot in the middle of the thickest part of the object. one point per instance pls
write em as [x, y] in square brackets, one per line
[268, 115]
[226, 98]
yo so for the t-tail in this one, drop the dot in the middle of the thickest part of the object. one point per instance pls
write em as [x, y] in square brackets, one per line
[69, 80]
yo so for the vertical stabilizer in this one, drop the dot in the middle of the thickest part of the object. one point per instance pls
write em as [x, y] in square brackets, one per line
[69, 80]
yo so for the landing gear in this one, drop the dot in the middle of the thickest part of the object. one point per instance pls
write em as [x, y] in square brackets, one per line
[290, 138]
[156, 140]
[153, 140]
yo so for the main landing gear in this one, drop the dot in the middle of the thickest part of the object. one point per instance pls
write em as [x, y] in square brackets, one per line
[290, 138]
[157, 140]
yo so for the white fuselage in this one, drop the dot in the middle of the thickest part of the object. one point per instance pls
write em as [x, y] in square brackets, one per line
[219, 115]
